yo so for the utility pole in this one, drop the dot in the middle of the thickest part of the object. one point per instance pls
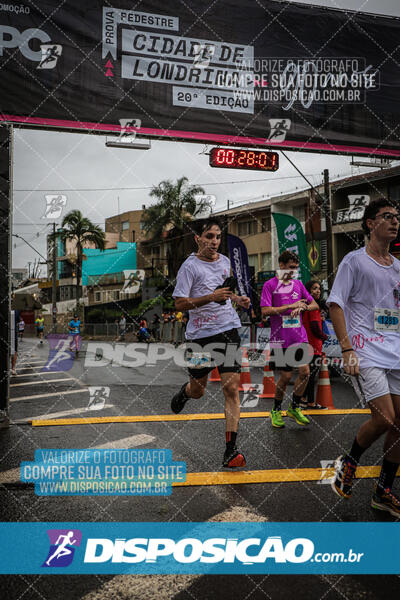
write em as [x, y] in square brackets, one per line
[119, 223]
[328, 225]
[54, 280]
[29, 270]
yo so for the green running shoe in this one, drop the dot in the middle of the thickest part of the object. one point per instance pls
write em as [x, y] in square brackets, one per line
[297, 415]
[276, 419]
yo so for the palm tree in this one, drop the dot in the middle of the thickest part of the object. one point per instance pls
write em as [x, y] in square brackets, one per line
[80, 229]
[176, 206]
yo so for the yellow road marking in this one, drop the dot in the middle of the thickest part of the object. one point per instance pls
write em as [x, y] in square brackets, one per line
[232, 477]
[195, 417]
[269, 476]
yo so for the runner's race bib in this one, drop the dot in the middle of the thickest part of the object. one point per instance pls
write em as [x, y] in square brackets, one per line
[386, 319]
[200, 360]
[291, 322]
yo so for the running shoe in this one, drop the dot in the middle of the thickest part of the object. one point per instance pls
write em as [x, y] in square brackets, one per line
[387, 501]
[179, 400]
[345, 471]
[297, 415]
[315, 406]
[276, 419]
[233, 459]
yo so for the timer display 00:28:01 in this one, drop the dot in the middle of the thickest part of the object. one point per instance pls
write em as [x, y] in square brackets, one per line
[254, 160]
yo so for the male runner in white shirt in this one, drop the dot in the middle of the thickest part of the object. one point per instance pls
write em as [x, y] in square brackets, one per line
[364, 307]
[212, 321]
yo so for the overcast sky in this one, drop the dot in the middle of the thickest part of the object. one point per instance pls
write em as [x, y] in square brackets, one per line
[101, 177]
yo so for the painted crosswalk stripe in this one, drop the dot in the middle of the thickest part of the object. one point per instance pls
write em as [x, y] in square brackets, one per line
[49, 395]
[39, 374]
[41, 381]
[165, 587]
[13, 475]
[32, 362]
[193, 417]
[29, 367]
[62, 413]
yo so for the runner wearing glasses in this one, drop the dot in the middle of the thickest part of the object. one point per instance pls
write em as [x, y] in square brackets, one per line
[364, 307]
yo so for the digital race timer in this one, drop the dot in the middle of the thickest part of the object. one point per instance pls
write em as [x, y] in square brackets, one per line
[233, 158]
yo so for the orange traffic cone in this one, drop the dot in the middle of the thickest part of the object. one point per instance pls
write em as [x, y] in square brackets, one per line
[324, 391]
[214, 375]
[245, 372]
[268, 383]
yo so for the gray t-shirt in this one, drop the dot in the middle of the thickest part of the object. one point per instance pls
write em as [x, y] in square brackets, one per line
[198, 278]
[369, 295]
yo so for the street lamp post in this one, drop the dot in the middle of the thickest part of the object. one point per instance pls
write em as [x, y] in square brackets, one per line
[328, 221]
[54, 271]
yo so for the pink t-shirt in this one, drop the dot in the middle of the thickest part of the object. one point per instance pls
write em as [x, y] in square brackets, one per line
[284, 330]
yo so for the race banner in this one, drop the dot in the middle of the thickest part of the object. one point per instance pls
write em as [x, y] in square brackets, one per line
[240, 265]
[253, 73]
[291, 237]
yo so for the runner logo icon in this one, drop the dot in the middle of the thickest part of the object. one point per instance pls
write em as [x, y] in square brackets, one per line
[279, 129]
[251, 395]
[54, 206]
[62, 547]
[98, 397]
[60, 357]
[50, 55]
[126, 128]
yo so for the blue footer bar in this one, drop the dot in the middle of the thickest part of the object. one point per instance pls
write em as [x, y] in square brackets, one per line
[213, 548]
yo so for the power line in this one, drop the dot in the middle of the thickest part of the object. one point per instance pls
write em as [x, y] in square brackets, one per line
[149, 187]
[26, 242]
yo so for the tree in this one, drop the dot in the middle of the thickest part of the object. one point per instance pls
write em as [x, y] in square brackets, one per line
[176, 206]
[78, 228]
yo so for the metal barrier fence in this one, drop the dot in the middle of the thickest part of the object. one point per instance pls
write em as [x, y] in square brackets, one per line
[173, 333]
[103, 329]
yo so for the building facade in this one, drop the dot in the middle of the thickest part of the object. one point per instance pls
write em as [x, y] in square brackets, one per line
[253, 222]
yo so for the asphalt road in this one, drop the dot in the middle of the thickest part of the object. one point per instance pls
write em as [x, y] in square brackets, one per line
[37, 393]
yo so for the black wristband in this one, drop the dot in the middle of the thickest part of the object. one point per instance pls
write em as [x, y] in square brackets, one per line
[348, 350]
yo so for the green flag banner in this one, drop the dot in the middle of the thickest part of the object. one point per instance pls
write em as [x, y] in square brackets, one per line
[291, 237]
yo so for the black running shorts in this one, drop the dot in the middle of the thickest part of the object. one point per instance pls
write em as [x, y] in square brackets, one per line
[300, 356]
[232, 342]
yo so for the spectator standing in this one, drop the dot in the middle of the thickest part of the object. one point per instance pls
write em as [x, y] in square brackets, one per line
[14, 341]
[178, 331]
[156, 327]
[21, 328]
[122, 328]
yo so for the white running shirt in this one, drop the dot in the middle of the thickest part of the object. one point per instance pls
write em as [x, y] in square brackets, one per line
[369, 293]
[198, 278]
